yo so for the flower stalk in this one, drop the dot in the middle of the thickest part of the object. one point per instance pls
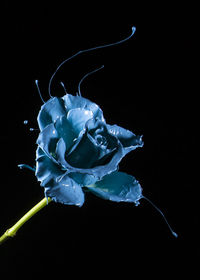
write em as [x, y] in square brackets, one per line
[11, 232]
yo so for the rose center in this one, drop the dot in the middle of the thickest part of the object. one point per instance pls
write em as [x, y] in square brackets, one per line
[101, 140]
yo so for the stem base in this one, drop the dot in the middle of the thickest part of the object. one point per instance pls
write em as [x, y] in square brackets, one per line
[11, 232]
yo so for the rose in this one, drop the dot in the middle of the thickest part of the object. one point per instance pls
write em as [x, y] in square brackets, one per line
[76, 149]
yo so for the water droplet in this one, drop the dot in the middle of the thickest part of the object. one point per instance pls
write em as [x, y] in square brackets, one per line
[137, 203]
[65, 185]
[25, 121]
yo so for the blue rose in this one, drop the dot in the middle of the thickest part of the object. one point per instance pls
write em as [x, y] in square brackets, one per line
[76, 149]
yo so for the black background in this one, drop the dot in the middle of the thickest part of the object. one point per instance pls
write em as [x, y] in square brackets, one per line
[148, 87]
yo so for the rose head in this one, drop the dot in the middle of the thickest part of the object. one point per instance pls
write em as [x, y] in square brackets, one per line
[76, 149]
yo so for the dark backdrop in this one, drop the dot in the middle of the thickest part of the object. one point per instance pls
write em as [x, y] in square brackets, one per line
[147, 86]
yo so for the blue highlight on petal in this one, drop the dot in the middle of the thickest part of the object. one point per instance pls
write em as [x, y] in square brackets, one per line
[78, 118]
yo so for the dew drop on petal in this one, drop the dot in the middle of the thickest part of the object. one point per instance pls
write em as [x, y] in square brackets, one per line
[25, 121]
[65, 185]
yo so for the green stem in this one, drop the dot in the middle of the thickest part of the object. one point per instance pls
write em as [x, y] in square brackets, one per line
[13, 230]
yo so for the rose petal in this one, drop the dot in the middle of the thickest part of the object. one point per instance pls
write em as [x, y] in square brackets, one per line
[58, 185]
[50, 111]
[66, 191]
[84, 154]
[119, 187]
[48, 139]
[65, 130]
[60, 153]
[129, 140]
[77, 174]
[78, 118]
[46, 169]
[83, 179]
[106, 168]
[74, 102]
